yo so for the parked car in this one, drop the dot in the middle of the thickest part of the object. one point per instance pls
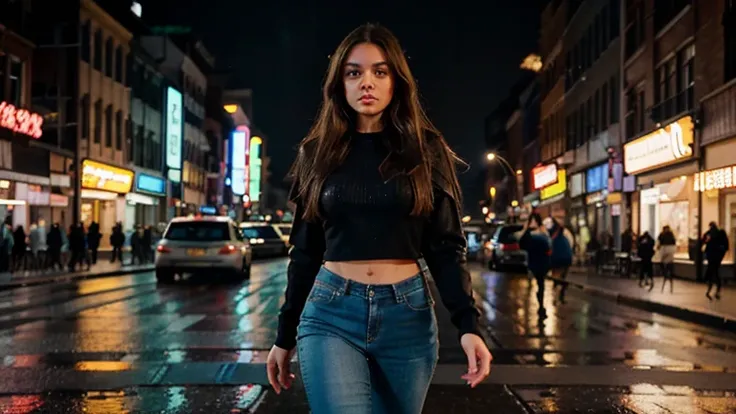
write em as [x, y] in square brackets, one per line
[202, 244]
[264, 238]
[505, 250]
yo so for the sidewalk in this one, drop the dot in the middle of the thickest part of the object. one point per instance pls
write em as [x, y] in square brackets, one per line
[687, 301]
[103, 268]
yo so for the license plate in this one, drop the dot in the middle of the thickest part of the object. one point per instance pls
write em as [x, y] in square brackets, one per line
[196, 252]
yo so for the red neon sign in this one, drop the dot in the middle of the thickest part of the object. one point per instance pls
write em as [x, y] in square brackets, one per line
[20, 120]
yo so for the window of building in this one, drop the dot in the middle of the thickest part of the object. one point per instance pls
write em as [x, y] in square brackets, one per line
[641, 108]
[86, 44]
[98, 121]
[85, 116]
[596, 112]
[614, 19]
[615, 99]
[16, 81]
[119, 64]
[633, 111]
[604, 106]
[98, 50]
[606, 25]
[119, 130]
[634, 31]
[729, 40]
[686, 56]
[581, 126]
[597, 47]
[666, 10]
[108, 126]
[109, 57]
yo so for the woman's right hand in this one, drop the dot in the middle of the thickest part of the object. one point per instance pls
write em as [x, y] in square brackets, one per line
[278, 369]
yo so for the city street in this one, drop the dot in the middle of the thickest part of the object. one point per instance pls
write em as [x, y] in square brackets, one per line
[124, 344]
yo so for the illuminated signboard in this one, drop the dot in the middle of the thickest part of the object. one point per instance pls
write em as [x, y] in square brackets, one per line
[596, 178]
[174, 128]
[544, 175]
[239, 145]
[662, 147]
[99, 176]
[254, 158]
[718, 179]
[555, 189]
[20, 120]
[151, 184]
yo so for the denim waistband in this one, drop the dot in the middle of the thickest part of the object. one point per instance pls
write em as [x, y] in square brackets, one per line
[382, 291]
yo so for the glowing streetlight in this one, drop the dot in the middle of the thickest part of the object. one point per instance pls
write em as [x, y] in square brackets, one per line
[514, 203]
[492, 192]
[518, 172]
[485, 210]
[490, 156]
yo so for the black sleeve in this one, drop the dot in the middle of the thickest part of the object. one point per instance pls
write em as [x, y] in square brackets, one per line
[308, 246]
[444, 249]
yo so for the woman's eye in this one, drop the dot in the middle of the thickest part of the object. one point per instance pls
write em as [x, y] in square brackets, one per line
[381, 72]
[352, 73]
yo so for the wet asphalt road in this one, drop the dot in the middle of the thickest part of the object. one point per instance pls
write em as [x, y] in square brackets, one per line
[124, 344]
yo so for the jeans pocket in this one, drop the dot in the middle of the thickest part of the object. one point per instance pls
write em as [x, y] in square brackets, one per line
[321, 293]
[418, 300]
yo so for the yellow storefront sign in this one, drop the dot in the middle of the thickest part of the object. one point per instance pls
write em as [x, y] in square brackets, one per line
[664, 146]
[557, 188]
[104, 177]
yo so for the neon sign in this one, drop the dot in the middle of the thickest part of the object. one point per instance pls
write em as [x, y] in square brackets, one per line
[544, 175]
[21, 121]
[99, 176]
[718, 179]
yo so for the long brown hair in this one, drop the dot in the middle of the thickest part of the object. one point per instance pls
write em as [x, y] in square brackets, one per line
[404, 116]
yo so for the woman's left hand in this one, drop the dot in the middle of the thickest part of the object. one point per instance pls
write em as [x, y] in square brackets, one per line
[479, 359]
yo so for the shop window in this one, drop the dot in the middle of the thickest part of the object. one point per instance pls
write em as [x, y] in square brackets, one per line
[16, 81]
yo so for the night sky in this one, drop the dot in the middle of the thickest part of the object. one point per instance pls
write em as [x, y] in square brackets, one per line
[464, 57]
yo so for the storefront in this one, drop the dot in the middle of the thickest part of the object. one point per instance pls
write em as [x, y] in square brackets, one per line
[664, 166]
[552, 198]
[104, 188]
[596, 201]
[147, 205]
[24, 199]
[717, 187]
[577, 216]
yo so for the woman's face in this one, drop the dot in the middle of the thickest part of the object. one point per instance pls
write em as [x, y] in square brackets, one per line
[369, 85]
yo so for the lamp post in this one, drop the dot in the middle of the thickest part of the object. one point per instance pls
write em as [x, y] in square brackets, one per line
[512, 172]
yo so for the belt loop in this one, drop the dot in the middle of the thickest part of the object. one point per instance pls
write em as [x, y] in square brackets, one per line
[397, 295]
[346, 286]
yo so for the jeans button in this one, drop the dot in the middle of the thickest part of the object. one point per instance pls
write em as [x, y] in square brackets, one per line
[370, 292]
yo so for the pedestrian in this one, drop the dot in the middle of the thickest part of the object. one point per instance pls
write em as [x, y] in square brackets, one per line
[93, 241]
[20, 247]
[562, 252]
[55, 244]
[117, 240]
[716, 247]
[667, 249]
[645, 251]
[6, 247]
[375, 191]
[535, 240]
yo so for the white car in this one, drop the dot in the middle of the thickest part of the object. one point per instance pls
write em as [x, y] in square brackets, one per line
[211, 244]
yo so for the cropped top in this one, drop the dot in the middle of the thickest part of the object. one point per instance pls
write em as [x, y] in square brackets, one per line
[365, 217]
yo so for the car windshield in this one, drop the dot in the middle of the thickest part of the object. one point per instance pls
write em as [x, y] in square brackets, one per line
[505, 234]
[285, 230]
[260, 232]
[198, 231]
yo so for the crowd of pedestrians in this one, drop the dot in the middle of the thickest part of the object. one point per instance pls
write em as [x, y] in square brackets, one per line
[49, 248]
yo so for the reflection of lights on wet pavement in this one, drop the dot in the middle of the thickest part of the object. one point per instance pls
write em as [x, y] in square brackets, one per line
[106, 366]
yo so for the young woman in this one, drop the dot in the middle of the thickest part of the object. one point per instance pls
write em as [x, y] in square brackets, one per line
[375, 190]
[562, 242]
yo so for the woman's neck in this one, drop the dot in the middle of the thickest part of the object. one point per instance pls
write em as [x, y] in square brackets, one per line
[368, 124]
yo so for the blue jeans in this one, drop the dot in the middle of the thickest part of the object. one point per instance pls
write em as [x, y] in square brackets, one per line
[367, 349]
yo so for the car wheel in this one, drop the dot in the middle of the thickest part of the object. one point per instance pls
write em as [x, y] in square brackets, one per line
[164, 276]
